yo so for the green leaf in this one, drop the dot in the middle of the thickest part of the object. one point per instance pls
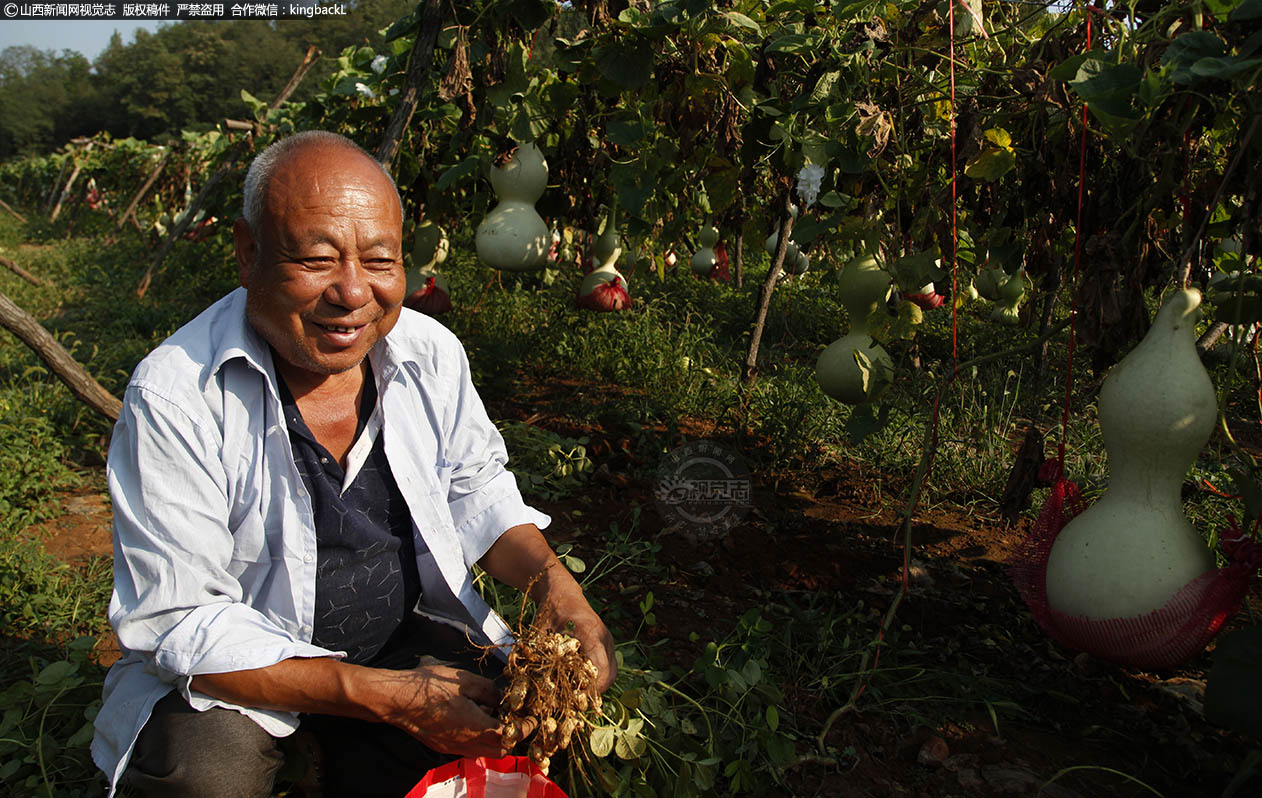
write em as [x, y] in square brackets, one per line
[407, 25]
[824, 86]
[630, 744]
[999, 137]
[1192, 47]
[56, 672]
[627, 133]
[773, 717]
[602, 740]
[469, 166]
[793, 43]
[751, 672]
[1223, 68]
[1068, 69]
[991, 164]
[741, 21]
[1232, 697]
[627, 62]
[1110, 91]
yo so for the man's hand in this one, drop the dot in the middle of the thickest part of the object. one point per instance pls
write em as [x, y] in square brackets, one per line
[446, 708]
[568, 611]
[522, 558]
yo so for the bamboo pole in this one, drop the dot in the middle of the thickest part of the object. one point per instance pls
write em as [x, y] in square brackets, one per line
[68, 370]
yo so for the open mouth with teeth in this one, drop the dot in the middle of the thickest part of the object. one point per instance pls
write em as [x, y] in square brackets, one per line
[336, 328]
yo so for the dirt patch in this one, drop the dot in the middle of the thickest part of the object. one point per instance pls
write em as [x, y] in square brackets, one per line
[83, 529]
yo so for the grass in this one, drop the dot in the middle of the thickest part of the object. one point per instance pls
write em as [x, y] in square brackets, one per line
[657, 374]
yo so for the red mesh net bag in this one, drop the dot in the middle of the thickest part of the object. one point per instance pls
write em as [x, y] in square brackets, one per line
[1163, 638]
[508, 777]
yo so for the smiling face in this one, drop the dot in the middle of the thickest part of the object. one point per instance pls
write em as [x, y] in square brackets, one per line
[324, 271]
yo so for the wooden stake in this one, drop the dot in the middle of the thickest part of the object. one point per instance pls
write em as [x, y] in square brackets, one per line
[65, 192]
[418, 70]
[19, 271]
[750, 370]
[225, 166]
[144, 189]
[68, 370]
[16, 215]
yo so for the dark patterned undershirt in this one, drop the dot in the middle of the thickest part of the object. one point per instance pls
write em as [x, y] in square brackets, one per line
[366, 578]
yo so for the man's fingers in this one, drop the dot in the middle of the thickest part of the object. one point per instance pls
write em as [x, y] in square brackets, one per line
[479, 689]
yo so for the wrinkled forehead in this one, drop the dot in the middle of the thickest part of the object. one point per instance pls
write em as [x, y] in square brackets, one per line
[323, 178]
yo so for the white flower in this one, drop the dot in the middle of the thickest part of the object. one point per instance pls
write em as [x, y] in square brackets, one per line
[365, 90]
[809, 180]
[379, 64]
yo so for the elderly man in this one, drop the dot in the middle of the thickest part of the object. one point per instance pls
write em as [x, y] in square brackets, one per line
[302, 478]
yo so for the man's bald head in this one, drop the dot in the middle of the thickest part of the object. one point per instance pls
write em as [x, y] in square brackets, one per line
[259, 176]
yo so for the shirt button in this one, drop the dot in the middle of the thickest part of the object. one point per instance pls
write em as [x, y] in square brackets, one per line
[302, 493]
[308, 558]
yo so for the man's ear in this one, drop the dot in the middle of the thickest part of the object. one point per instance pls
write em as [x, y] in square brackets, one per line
[247, 250]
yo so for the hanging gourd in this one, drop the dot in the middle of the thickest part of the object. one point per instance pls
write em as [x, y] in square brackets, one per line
[605, 288]
[431, 297]
[513, 237]
[926, 297]
[799, 263]
[1011, 293]
[855, 369]
[988, 282]
[704, 259]
[773, 240]
[1133, 550]
[608, 239]
[429, 246]
[427, 289]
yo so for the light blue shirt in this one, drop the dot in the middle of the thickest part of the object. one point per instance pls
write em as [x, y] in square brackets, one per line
[214, 540]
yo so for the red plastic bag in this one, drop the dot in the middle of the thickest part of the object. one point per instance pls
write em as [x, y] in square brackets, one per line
[509, 777]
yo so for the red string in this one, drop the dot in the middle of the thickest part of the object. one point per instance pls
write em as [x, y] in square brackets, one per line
[955, 350]
[1073, 280]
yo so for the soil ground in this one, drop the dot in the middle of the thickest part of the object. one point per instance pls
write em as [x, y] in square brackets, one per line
[830, 535]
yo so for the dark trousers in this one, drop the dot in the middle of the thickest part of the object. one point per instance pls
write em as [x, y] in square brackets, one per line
[220, 752]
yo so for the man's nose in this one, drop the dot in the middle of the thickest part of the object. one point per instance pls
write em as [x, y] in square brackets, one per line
[349, 287]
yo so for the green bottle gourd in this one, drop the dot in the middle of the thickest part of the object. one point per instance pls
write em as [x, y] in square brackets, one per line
[704, 259]
[513, 236]
[864, 286]
[1133, 550]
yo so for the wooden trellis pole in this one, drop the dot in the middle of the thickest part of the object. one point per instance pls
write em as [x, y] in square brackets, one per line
[418, 69]
[65, 192]
[226, 166]
[16, 215]
[19, 271]
[68, 370]
[144, 189]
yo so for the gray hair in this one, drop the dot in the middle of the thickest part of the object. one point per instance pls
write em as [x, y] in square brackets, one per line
[259, 175]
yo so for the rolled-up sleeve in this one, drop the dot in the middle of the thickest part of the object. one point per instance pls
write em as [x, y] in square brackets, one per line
[175, 596]
[482, 494]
